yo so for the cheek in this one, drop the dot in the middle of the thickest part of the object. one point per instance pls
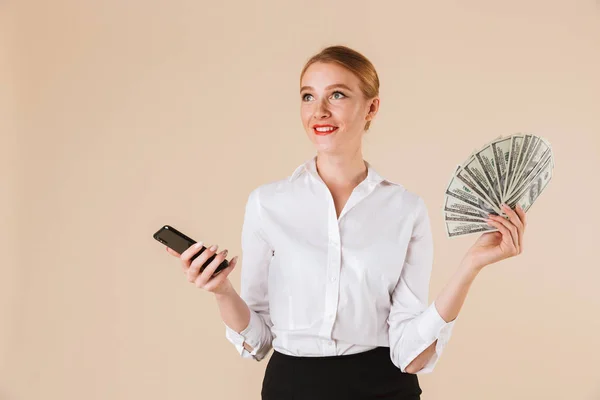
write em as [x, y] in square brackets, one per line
[349, 113]
[305, 115]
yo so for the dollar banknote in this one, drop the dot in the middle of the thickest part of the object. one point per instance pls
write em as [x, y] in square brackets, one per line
[514, 170]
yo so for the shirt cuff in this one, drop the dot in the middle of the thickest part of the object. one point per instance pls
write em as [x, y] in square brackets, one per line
[432, 326]
[251, 335]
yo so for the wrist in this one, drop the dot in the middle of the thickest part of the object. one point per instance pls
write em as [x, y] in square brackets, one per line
[225, 290]
[469, 264]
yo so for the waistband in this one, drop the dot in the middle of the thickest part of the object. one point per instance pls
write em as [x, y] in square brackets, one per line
[377, 352]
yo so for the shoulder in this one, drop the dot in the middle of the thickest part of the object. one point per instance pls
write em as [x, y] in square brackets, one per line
[407, 201]
[415, 202]
[410, 205]
[268, 190]
[419, 213]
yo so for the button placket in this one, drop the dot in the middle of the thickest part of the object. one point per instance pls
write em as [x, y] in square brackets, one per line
[333, 267]
[334, 288]
[334, 249]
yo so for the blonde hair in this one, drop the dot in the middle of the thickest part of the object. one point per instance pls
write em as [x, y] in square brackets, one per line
[354, 62]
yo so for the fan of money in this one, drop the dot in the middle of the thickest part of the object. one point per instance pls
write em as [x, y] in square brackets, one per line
[512, 170]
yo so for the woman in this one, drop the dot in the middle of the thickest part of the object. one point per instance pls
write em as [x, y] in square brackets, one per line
[337, 259]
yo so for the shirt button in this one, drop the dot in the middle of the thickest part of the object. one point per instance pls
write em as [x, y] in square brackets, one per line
[333, 279]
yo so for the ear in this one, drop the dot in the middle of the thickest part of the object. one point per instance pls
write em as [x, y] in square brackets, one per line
[373, 109]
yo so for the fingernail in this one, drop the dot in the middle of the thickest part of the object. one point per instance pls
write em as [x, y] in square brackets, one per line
[214, 247]
[224, 253]
[234, 259]
[198, 245]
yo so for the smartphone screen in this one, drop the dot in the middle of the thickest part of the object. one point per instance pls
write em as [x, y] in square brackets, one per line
[180, 242]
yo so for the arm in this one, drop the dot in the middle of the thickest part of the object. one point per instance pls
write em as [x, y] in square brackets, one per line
[414, 327]
[246, 317]
[448, 303]
[234, 312]
[488, 249]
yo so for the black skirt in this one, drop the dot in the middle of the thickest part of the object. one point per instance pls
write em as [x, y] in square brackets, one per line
[367, 375]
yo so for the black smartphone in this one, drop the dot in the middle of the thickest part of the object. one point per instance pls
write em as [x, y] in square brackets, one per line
[179, 242]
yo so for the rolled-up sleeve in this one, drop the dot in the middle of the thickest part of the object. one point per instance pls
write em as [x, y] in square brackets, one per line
[413, 325]
[256, 257]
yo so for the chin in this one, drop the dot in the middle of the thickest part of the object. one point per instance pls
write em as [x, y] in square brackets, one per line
[326, 148]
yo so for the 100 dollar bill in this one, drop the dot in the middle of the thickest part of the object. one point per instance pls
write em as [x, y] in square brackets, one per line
[541, 151]
[456, 206]
[462, 187]
[450, 216]
[457, 228]
[534, 186]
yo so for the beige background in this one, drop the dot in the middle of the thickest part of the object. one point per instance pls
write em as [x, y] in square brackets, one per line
[120, 116]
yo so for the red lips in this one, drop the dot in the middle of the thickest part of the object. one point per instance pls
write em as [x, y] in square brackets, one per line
[335, 128]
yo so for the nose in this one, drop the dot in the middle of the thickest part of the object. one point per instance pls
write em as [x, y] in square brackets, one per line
[321, 109]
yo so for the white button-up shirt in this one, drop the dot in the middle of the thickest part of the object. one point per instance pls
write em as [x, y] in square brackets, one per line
[319, 285]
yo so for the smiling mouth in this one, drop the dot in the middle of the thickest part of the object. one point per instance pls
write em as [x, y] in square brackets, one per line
[324, 131]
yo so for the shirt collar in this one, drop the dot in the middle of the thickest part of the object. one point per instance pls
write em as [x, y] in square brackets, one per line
[310, 166]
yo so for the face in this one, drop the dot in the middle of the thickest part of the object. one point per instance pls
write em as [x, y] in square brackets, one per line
[331, 97]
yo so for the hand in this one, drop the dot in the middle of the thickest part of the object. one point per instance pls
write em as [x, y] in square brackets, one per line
[506, 242]
[218, 284]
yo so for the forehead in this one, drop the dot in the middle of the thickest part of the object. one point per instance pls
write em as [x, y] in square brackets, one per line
[322, 74]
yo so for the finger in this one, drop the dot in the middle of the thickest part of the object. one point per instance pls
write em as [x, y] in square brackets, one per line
[506, 236]
[516, 220]
[195, 266]
[520, 227]
[172, 252]
[513, 216]
[187, 255]
[522, 216]
[217, 280]
[190, 251]
[206, 275]
[514, 232]
[511, 229]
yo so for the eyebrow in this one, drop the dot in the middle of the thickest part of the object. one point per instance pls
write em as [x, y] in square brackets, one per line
[328, 87]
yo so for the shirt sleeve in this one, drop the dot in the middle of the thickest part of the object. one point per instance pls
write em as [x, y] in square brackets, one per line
[414, 326]
[256, 257]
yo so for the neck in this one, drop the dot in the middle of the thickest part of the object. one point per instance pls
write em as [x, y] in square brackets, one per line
[341, 170]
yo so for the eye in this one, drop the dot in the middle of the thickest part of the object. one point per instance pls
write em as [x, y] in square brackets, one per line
[337, 98]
